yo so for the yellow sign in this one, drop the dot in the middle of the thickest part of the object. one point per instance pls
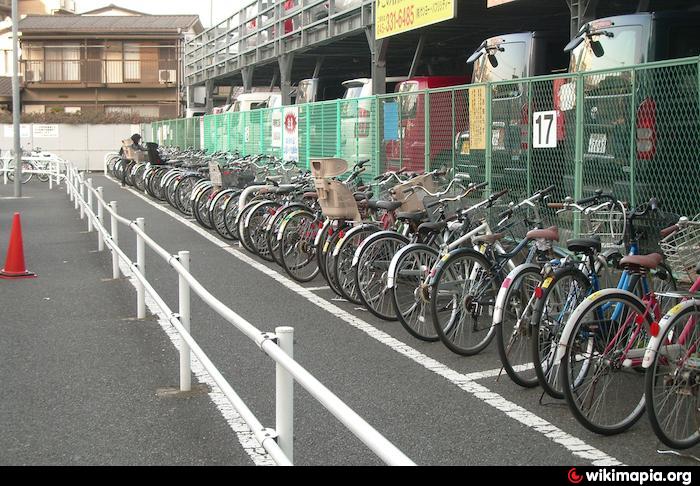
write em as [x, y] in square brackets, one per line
[396, 16]
[477, 118]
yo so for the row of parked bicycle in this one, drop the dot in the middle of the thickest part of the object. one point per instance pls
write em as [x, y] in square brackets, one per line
[591, 320]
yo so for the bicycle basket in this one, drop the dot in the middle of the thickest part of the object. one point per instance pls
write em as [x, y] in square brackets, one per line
[607, 224]
[649, 229]
[682, 248]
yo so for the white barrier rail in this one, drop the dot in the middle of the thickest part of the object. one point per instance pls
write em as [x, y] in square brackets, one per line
[278, 346]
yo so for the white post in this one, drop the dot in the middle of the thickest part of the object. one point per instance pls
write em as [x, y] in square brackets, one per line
[82, 197]
[50, 175]
[101, 218]
[115, 239]
[141, 265]
[76, 189]
[284, 402]
[184, 310]
[89, 203]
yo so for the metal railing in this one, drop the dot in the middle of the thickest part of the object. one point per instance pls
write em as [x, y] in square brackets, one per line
[261, 29]
[278, 346]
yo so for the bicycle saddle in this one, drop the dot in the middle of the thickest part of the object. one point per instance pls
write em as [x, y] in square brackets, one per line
[389, 205]
[432, 227]
[584, 245]
[416, 217]
[646, 261]
[551, 234]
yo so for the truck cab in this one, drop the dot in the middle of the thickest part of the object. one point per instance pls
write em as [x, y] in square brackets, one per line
[404, 123]
[505, 58]
[637, 124]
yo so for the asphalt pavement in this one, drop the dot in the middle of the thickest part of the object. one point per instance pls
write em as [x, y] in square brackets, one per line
[437, 407]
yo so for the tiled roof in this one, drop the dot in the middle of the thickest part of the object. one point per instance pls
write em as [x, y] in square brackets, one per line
[69, 24]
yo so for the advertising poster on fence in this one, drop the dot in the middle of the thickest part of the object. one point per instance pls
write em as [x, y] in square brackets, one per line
[290, 140]
[276, 140]
[477, 118]
[25, 131]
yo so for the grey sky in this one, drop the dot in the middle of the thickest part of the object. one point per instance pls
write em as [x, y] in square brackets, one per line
[222, 8]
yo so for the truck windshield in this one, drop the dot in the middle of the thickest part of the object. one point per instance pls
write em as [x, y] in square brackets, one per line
[504, 62]
[407, 101]
[612, 47]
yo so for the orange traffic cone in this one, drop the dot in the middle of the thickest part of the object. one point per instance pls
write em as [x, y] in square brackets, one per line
[14, 263]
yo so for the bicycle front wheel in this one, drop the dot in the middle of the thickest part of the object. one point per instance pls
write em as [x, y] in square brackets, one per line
[514, 333]
[462, 298]
[600, 372]
[562, 292]
[673, 381]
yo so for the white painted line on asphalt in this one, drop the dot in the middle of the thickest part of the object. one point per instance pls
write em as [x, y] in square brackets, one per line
[316, 289]
[480, 375]
[245, 436]
[574, 445]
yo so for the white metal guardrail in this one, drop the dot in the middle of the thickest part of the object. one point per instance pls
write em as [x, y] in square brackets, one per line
[277, 442]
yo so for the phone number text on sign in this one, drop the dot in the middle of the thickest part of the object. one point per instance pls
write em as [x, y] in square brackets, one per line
[396, 16]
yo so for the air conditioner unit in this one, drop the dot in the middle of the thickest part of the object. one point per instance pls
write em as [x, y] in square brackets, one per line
[167, 76]
[31, 76]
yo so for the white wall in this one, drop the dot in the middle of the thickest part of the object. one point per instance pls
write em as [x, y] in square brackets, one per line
[84, 145]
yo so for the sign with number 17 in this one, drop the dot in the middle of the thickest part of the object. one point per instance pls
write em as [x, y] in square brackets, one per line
[544, 129]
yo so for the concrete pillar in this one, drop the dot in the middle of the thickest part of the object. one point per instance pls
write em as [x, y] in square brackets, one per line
[209, 86]
[378, 49]
[285, 62]
[247, 75]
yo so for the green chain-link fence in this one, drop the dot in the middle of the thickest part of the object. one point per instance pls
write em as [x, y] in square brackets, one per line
[634, 132]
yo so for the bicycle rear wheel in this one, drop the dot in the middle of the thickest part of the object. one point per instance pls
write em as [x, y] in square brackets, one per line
[514, 332]
[296, 248]
[372, 273]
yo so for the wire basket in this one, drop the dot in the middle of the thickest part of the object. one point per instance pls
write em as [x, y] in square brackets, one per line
[648, 230]
[682, 248]
[607, 224]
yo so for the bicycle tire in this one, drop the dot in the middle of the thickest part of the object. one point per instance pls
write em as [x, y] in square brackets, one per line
[480, 289]
[672, 376]
[411, 292]
[514, 331]
[587, 339]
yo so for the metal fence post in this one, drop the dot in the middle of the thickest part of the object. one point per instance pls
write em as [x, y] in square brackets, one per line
[50, 176]
[100, 218]
[578, 156]
[488, 135]
[141, 265]
[115, 240]
[426, 134]
[284, 403]
[82, 197]
[89, 203]
[184, 311]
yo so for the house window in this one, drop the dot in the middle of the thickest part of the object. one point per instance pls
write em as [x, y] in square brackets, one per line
[62, 63]
[132, 62]
[34, 109]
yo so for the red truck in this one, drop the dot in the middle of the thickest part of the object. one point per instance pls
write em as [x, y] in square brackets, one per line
[404, 134]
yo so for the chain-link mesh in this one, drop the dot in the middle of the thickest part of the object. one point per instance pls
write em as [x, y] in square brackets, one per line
[631, 132]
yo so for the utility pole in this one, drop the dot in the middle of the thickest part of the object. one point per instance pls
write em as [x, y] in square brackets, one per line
[16, 100]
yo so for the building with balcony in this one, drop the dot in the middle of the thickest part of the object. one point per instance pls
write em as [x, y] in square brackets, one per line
[112, 60]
